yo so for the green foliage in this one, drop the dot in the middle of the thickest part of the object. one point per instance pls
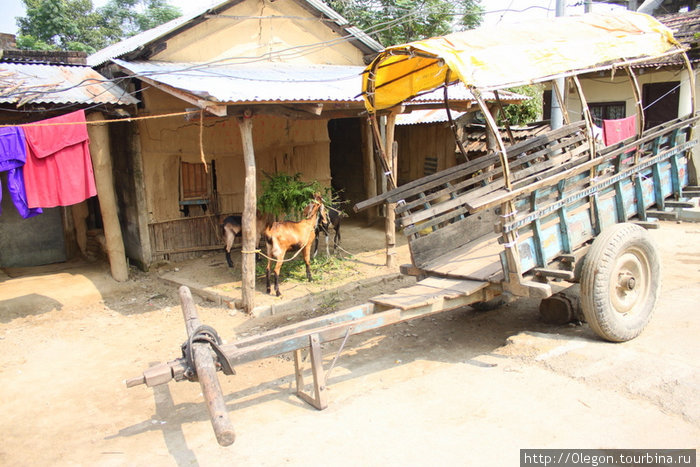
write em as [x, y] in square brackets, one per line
[328, 269]
[286, 196]
[527, 112]
[125, 18]
[75, 25]
[394, 22]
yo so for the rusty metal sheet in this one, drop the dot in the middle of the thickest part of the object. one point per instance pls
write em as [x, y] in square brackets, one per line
[22, 83]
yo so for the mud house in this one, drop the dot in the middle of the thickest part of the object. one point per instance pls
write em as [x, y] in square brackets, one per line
[35, 86]
[227, 94]
[287, 68]
[661, 87]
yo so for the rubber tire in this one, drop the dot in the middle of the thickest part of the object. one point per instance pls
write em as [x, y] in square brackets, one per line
[614, 312]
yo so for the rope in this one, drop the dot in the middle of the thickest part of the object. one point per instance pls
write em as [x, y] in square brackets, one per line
[201, 141]
[340, 349]
[99, 122]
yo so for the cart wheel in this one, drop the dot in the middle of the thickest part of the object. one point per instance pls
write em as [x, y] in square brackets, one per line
[620, 282]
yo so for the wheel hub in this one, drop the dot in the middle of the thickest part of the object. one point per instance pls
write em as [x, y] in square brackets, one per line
[631, 288]
[626, 281]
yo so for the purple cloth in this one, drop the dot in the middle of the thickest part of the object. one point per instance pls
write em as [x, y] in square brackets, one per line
[13, 154]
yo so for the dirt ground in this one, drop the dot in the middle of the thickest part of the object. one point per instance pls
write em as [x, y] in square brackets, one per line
[458, 388]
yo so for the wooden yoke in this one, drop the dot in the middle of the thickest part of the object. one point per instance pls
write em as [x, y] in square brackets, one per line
[206, 374]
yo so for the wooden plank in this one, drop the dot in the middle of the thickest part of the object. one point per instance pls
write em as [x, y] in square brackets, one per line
[556, 273]
[501, 196]
[478, 260]
[555, 165]
[428, 247]
[663, 215]
[427, 291]
[678, 204]
[516, 161]
[438, 178]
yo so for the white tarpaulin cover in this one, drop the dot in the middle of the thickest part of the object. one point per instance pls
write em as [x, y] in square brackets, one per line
[498, 57]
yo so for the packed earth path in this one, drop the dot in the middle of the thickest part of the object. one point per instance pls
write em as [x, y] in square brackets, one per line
[462, 387]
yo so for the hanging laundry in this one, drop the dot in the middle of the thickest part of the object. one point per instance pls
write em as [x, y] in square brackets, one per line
[59, 169]
[617, 130]
[13, 154]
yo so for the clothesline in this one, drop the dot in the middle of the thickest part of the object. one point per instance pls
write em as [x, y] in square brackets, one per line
[97, 122]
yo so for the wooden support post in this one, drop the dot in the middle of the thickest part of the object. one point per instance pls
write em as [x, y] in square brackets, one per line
[319, 399]
[206, 374]
[102, 166]
[80, 213]
[390, 224]
[250, 236]
[369, 167]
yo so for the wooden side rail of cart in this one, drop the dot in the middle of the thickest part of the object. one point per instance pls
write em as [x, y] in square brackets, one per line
[562, 195]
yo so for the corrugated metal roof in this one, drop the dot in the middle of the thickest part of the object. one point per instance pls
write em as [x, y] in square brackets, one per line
[268, 82]
[686, 29]
[455, 92]
[143, 39]
[459, 92]
[418, 117]
[259, 83]
[22, 83]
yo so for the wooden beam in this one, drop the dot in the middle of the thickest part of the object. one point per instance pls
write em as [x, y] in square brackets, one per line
[390, 224]
[369, 167]
[212, 107]
[206, 373]
[102, 166]
[250, 236]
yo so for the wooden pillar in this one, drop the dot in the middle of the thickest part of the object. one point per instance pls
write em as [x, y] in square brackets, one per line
[390, 225]
[369, 167]
[102, 166]
[80, 213]
[250, 236]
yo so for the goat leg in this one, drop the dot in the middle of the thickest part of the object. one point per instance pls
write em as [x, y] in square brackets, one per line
[267, 277]
[277, 284]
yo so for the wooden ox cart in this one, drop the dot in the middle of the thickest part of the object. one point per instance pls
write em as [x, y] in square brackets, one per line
[558, 206]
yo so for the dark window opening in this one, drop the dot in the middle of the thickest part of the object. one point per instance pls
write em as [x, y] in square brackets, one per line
[660, 102]
[606, 111]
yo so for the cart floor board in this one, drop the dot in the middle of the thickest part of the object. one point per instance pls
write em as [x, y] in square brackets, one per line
[477, 260]
[427, 291]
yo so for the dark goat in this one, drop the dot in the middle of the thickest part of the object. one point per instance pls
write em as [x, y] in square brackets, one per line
[332, 220]
[283, 236]
[233, 226]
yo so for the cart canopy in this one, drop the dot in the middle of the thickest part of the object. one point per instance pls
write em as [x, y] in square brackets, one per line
[511, 55]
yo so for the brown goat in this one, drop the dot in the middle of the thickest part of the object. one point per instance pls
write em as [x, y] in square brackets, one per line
[283, 236]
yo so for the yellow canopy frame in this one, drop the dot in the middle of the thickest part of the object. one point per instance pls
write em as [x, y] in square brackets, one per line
[511, 55]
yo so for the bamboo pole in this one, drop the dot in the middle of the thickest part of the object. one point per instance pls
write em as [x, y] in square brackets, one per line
[370, 168]
[249, 245]
[102, 166]
[390, 224]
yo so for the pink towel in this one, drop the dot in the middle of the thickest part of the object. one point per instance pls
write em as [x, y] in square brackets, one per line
[58, 171]
[617, 130]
